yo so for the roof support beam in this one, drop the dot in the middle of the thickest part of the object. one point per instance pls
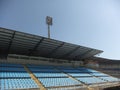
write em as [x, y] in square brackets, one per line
[82, 55]
[67, 54]
[54, 50]
[91, 55]
[10, 43]
[36, 46]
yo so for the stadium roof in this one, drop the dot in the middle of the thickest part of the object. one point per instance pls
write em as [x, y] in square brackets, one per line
[104, 60]
[15, 42]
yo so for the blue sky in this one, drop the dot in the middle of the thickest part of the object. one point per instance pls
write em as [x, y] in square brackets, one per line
[91, 23]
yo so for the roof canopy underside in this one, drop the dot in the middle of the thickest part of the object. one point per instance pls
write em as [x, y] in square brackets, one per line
[14, 42]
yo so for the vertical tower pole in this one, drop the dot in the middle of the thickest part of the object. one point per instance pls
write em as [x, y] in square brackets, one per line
[49, 22]
[49, 31]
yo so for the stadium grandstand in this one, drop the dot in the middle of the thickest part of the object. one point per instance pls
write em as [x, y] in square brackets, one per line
[31, 62]
[108, 66]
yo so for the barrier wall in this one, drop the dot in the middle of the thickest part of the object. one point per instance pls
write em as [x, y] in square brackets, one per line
[21, 59]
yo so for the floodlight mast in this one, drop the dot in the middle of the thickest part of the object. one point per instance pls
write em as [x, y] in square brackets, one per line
[49, 22]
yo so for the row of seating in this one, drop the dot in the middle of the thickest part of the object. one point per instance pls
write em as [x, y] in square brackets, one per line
[9, 65]
[90, 74]
[13, 74]
[40, 66]
[10, 84]
[99, 74]
[91, 80]
[71, 71]
[110, 79]
[80, 74]
[44, 70]
[12, 69]
[65, 67]
[49, 76]
[87, 70]
[37, 74]
[52, 82]
[78, 70]
[111, 71]
[68, 88]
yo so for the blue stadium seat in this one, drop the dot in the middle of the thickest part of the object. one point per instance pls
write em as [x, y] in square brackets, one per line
[51, 82]
[17, 84]
[37, 74]
[110, 79]
[79, 74]
[14, 76]
[99, 74]
[91, 80]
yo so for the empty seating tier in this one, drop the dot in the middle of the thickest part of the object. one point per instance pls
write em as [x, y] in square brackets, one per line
[14, 76]
[91, 80]
[111, 71]
[53, 82]
[10, 84]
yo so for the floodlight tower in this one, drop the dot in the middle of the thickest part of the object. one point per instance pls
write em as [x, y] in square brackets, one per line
[49, 22]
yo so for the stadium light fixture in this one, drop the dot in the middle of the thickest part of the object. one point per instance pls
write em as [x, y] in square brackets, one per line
[49, 22]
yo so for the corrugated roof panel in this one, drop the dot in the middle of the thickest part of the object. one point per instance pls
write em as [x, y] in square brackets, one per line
[27, 44]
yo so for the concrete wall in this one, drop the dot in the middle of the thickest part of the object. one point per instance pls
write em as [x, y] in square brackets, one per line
[95, 64]
[40, 62]
[91, 64]
[22, 59]
[109, 65]
[37, 62]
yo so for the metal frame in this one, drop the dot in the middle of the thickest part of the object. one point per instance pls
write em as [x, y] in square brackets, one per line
[67, 54]
[83, 54]
[15, 42]
[36, 46]
[54, 50]
[10, 43]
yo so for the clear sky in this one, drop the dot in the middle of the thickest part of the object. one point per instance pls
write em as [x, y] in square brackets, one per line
[91, 23]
